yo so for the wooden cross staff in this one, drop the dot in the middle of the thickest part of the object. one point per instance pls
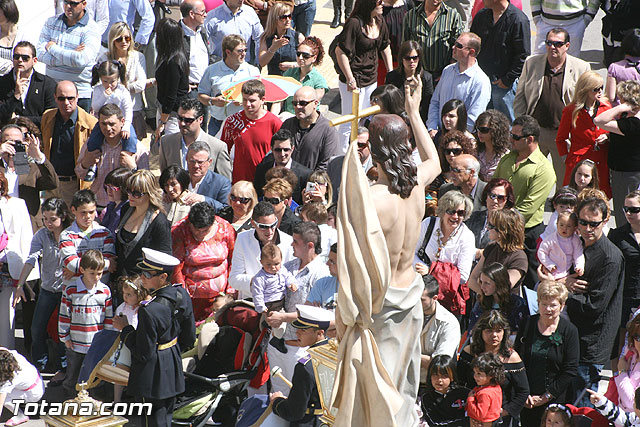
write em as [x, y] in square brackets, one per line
[356, 115]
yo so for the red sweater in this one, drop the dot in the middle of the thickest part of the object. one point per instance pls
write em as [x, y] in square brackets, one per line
[486, 403]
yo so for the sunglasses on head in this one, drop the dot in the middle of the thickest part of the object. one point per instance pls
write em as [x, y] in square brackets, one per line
[272, 200]
[483, 129]
[243, 200]
[305, 55]
[498, 197]
[123, 38]
[452, 151]
[460, 212]
[283, 17]
[267, 226]
[555, 44]
[631, 209]
[135, 194]
[19, 57]
[592, 224]
[187, 120]
[149, 275]
[518, 137]
[301, 103]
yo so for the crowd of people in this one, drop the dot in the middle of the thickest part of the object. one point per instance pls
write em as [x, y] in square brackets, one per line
[236, 199]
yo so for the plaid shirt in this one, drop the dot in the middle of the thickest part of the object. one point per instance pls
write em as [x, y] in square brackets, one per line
[63, 61]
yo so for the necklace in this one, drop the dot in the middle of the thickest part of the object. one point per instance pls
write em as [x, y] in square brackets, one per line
[441, 241]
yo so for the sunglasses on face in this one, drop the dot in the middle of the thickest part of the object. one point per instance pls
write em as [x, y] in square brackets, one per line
[123, 39]
[554, 43]
[111, 187]
[135, 194]
[283, 17]
[412, 58]
[362, 145]
[282, 150]
[301, 103]
[65, 98]
[459, 45]
[483, 129]
[19, 57]
[267, 226]
[243, 200]
[272, 200]
[598, 89]
[631, 209]
[73, 3]
[149, 275]
[498, 197]
[452, 151]
[592, 224]
[305, 55]
[459, 212]
[518, 137]
[241, 51]
[187, 120]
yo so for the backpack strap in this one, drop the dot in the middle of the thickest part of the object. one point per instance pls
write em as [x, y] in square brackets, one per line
[425, 242]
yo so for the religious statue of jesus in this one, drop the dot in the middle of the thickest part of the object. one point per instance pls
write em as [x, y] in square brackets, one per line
[379, 316]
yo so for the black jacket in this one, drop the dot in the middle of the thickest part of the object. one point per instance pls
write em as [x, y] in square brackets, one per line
[301, 171]
[157, 236]
[40, 97]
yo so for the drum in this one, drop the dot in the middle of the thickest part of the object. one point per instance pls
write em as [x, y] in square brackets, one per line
[108, 359]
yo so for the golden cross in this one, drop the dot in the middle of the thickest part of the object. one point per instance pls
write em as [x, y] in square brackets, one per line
[356, 115]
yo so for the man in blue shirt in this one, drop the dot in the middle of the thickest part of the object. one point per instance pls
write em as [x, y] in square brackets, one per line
[325, 290]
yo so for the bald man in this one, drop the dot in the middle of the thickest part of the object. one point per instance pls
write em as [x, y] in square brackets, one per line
[315, 140]
[197, 42]
[65, 130]
[464, 174]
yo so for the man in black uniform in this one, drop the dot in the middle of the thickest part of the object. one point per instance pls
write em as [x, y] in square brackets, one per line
[166, 327]
[302, 407]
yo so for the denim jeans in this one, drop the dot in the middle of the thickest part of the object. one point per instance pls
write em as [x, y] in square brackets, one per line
[588, 377]
[502, 99]
[45, 306]
[214, 126]
[303, 16]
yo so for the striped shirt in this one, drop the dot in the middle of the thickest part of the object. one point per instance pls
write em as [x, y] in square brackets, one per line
[83, 313]
[564, 9]
[63, 61]
[436, 40]
[616, 415]
[74, 242]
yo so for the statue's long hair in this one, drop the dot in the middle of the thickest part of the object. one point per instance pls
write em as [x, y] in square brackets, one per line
[389, 141]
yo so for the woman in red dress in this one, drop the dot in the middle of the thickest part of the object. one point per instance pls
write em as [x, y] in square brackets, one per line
[578, 137]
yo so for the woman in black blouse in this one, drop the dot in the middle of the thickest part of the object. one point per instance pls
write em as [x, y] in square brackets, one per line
[279, 42]
[393, 12]
[172, 74]
[491, 334]
[550, 350]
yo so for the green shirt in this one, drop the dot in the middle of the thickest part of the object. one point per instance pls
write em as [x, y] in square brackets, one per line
[532, 181]
[437, 41]
[313, 79]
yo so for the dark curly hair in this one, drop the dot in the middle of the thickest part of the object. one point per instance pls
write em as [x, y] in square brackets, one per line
[500, 128]
[316, 47]
[491, 320]
[467, 144]
[389, 141]
[490, 364]
[8, 366]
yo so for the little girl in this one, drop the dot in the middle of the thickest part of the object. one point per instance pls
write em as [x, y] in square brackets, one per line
[443, 401]
[484, 403]
[559, 251]
[19, 380]
[565, 200]
[584, 175]
[557, 415]
[112, 90]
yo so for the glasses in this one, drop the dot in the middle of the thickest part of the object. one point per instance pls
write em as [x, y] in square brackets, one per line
[452, 151]
[498, 197]
[241, 51]
[187, 120]
[198, 163]
[243, 200]
[459, 212]
[490, 226]
[483, 129]
[111, 187]
[19, 57]
[123, 39]
[267, 226]
[362, 145]
[272, 200]
[72, 3]
[459, 170]
[631, 209]
[302, 103]
[459, 46]
[305, 55]
[518, 137]
[412, 58]
[65, 98]
[598, 89]
[284, 17]
[282, 150]
[148, 274]
[554, 43]
[592, 224]
[135, 194]
[201, 13]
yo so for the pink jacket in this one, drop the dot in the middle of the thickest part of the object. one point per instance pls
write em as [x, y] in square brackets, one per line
[561, 252]
[627, 382]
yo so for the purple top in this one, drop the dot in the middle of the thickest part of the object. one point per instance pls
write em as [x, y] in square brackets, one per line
[112, 213]
[266, 287]
[625, 69]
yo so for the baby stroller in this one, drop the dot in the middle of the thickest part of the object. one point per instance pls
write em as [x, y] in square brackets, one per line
[234, 359]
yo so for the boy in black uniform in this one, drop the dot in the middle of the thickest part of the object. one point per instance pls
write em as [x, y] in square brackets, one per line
[166, 327]
[302, 407]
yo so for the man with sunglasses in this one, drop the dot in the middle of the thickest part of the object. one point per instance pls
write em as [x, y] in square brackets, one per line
[316, 141]
[464, 177]
[174, 147]
[545, 87]
[246, 252]
[23, 90]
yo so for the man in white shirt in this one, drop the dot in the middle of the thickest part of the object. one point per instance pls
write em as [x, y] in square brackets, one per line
[193, 13]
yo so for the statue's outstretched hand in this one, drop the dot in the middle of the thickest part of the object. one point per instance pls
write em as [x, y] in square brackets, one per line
[412, 94]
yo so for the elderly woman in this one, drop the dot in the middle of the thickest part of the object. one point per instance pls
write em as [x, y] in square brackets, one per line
[494, 141]
[550, 350]
[491, 334]
[242, 199]
[450, 146]
[506, 232]
[175, 181]
[497, 194]
[279, 42]
[446, 239]
[144, 224]
[204, 244]
[495, 294]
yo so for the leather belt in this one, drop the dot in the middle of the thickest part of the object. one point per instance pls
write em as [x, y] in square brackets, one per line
[168, 344]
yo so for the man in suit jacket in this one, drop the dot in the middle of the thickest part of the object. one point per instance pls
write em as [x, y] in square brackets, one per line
[464, 174]
[280, 156]
[23, 90]
[173, 148]
[545, 87]
[206, 185]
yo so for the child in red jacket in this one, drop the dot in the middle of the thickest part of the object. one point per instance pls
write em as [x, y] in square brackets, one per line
[484, 404]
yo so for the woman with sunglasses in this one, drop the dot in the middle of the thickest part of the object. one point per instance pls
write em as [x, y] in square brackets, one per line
[409, 65]
[309, 55]
[493, 136]
[242, 199]
[121, 50]
[175, 181]
[203, 242]
[578, 137]
[144, 224]
[450, 146]
[279, 42]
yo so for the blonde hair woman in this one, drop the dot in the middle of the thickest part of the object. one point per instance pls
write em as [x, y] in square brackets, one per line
[242, 199]
[143, 225]
[121, 50]
[578, 138]
[279, 42]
